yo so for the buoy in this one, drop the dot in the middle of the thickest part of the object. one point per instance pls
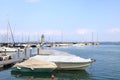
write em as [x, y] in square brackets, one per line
[52, 76]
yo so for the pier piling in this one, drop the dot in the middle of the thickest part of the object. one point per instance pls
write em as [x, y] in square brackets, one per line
[25, 51]
[30, 52]
[18, 53]
[5, 51]
[37, 51]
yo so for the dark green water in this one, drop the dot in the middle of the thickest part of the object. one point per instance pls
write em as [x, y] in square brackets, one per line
[106, 67]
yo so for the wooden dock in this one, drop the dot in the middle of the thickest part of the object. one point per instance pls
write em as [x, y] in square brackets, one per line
[11, 61]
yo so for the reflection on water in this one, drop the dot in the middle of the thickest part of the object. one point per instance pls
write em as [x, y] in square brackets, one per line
[32, 76]
[69, 75]
[58, 75]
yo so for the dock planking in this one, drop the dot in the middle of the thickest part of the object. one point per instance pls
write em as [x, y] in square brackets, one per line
[11, 61]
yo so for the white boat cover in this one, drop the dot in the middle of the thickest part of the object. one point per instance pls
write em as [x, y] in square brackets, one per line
[35, 63]
[59, 56]
[54, 52]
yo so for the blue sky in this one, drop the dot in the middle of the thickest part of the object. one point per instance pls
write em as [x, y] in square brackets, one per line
[61, 20]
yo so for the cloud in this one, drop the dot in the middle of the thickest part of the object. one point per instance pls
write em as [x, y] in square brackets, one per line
[32, 1]
[16, 33]
[45, 32]
[84, 31]
[52, 32]
[2, 32]
[115, 30]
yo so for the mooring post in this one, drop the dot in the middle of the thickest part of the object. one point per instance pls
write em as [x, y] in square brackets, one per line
[30, 52]
[5, 51]
[25, 51]
[37, 51]
[18, 52]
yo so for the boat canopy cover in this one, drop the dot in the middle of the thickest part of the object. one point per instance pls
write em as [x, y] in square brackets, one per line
[59, 56]
[35, 63]
[53, 52]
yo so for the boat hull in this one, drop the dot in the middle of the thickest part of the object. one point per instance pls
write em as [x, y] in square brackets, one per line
[72, 66]
[4, 50]
[64, 60]
[24, 69]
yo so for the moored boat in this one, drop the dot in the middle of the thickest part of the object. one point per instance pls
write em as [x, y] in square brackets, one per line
[7, 49]
[64, 60]
[4, 57]
[34, 65]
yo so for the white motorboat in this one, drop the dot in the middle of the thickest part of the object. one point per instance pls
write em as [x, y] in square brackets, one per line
[7, 49]
[4, 57]
[64, 60]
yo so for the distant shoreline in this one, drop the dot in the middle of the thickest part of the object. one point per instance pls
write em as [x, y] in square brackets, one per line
[110, 43]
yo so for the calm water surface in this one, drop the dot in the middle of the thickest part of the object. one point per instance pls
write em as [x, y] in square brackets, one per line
[106, 67]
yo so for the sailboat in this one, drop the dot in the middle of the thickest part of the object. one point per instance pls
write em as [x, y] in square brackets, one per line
[7, 48]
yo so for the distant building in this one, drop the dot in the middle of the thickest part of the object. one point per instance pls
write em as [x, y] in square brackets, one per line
[42, 39]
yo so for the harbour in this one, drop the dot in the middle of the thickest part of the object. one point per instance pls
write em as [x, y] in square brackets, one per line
[59, 40]
[8, 48]
[106, 60]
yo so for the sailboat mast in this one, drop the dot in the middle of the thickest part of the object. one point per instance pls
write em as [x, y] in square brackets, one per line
[7, 39]
[11, 32]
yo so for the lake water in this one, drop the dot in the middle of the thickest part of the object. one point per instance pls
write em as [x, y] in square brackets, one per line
[106, 67]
